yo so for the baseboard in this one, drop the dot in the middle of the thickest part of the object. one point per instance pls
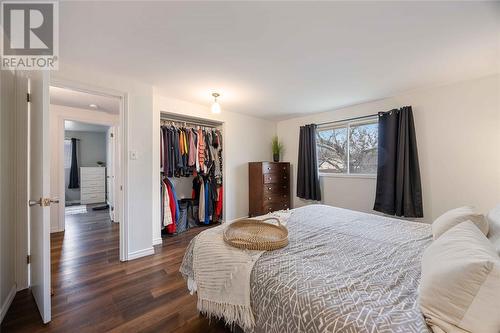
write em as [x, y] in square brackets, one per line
[141, 253]
[157, 241]
[8, 302]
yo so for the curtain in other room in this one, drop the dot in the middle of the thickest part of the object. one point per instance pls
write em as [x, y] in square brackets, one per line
[74, 180]
[399, 191]
[307, 170]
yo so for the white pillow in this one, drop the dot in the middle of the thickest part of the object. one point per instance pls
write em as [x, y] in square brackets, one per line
[493, 218]
[455, 216]
[460, 285]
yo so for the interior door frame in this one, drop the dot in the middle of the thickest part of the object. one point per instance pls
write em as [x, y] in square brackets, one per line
[114, 126]
[120, 131]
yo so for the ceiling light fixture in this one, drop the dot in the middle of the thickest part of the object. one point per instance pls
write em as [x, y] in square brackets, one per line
[93, 106]
[215, 105]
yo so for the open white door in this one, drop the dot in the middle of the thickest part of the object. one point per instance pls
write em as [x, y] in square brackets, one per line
[110, 173]
[39, 187]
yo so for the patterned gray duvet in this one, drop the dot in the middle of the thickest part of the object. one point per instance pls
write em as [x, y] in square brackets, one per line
[343, 271]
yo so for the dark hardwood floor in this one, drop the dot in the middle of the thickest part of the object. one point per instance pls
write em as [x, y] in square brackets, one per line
[95, 292]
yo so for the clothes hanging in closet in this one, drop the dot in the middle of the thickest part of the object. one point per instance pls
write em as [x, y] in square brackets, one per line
[167, 217]
[209, 197]
[170, 206]
[192, 149]
[202, 202]
[220, 193]
[187, 152]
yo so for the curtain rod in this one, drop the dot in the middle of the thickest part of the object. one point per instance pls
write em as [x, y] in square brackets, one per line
[361, 117]
[348, 119]
[72, 138]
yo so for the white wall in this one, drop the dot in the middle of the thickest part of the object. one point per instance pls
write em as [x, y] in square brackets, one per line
[245, 139]
[7, 191]
[458, 137]
[92, 147]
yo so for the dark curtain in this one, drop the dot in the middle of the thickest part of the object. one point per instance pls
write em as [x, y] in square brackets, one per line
[74, 181]
[307, 170]
[399, 191]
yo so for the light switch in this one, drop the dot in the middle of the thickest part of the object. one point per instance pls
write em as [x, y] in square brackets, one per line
[133, 154]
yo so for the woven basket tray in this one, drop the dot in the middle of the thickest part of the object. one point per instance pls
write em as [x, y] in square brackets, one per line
[256, 234]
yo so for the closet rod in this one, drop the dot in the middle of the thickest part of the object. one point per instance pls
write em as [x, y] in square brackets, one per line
[167, 116]
[187, 123]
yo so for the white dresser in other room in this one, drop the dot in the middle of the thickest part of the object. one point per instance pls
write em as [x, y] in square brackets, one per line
[92, 185]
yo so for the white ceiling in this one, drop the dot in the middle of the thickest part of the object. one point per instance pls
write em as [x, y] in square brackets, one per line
[82, 100]
[70, 125]
[278, 59]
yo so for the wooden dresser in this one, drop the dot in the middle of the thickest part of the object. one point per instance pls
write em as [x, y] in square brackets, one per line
[269, 186]
[92, 185]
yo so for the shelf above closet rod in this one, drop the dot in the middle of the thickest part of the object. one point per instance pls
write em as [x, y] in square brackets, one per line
[167, 116]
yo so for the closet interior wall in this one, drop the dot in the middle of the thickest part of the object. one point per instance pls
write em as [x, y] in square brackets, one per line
[182, 181]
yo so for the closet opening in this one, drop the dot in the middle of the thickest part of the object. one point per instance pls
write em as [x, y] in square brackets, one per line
[191, 174]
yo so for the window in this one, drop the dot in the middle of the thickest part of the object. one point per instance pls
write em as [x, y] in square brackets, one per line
[348, 147]
[67, 154]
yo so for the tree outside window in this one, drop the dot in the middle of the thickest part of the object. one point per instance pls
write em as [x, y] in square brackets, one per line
[348, 148]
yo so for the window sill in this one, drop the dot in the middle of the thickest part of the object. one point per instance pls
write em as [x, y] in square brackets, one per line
[343, 175]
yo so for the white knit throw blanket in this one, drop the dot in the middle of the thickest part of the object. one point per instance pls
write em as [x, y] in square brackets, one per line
[222, 277]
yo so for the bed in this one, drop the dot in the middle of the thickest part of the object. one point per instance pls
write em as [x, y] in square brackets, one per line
[343, 271]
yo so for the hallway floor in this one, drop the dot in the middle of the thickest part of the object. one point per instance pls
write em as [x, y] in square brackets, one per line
[95, 292]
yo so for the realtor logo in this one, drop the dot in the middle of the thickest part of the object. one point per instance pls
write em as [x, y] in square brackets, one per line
[29, 35]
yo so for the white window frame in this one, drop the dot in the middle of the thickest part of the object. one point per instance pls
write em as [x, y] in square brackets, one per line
[347, 124]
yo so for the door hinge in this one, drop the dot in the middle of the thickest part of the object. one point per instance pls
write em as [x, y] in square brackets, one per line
[111, 135]
[28, 97]
[112, 208]
[28, 259]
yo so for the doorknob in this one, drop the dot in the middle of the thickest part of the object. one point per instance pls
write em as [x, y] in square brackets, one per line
[44, 202]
